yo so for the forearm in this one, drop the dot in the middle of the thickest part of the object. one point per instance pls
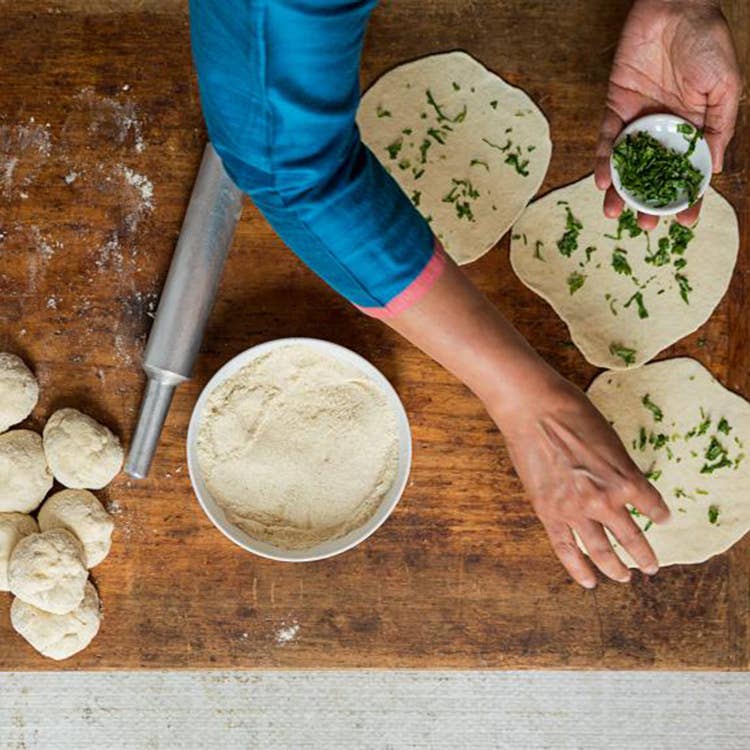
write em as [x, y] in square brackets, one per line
[459, 328]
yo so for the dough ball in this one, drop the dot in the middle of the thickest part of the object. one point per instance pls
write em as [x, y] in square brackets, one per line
[82, 453]
[19, 390]
[13, 528]
[58, 636]
[47, 570]
[82, 514]
[24, 476]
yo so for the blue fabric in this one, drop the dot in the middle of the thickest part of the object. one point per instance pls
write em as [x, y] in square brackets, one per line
[279, 83]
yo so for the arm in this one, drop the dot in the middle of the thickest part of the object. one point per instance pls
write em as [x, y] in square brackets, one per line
[279, 86]
[573, 466]
[677, 56]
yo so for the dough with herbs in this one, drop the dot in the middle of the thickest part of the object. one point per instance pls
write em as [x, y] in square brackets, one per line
[47, 570]
[58, 636]
[691, 436]
[24, 476]
[83, 515]
[468, 149]
[625, 294]
[82, 453]
[19, 390]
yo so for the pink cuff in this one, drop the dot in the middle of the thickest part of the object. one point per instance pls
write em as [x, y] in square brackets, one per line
[415, 291]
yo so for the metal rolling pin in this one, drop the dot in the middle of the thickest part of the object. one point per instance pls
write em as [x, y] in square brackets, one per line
[186, 302]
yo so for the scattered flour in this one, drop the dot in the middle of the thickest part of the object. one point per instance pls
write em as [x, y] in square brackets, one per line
[23, 150]
[115, 119]
[298, 448]
[287, 633]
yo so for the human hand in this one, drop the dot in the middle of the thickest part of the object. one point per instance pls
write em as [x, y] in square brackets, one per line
[676, 56]
[580, 478]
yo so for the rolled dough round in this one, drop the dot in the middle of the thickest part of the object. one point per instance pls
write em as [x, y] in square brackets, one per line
[624, 294]
[19, 390]
[24, 476]
[468, 149]
[47, 570]
[83, 515]
[691, 436]
[58, 636]
[82, 453]
[13, 528]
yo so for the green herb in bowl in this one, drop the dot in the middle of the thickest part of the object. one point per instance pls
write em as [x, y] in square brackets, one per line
[654, 174]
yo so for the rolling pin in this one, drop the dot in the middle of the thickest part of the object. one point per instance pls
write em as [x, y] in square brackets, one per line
[186, 302]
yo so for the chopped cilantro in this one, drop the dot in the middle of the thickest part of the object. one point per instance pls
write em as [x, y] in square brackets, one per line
[620, 262]
[653, 408]
[684, 285]
[394, 148]
[568, 243]
[423, 149]
[626, 222]
[493, 104]
[623, 352]
[638, 299]
[520, 165]
[538, 250]
[479, 162]
[576, 281]
[382, 112]
[416, 196]
[590, 250]
[723, 426]
[436, 134]
[504, 148]
[713, 514]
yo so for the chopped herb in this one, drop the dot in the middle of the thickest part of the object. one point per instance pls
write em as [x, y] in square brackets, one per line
[680, 237]
[394, 148]
[720, 464]
[493, 104]
[590, 250]
[530, 148]
[626, 222]
[715, 449]
[713, 514]
[655, 174]
[653, 408]
[620, 262]
[723, 426]
[417, 173]
[456, 87]
[659, 441]
[568, 243]
[611, 301]
[684, 285]
[699, 491]
[423, 149]
[504, 148]
[648, 525]
[576, 281]
[680, 263]
[437, 135]
[515, 236]
[642, 439]
[479, 162]
[459, 195]
[382, 112]
[623, 352]
[407, 131]
[679, 492]
[738, 460]
[404, 164]
[538, 250]
[508, 130]
[416, 196]
[638, 299]
[441, 116]
[691, 135]
[661, 256]
[518, 164]
[653, 475]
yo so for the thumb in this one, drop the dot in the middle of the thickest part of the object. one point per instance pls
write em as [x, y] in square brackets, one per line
[721, 115]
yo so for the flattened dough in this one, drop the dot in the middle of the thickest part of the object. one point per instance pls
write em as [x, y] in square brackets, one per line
[500, 135]
[608, 333]
[710, 507]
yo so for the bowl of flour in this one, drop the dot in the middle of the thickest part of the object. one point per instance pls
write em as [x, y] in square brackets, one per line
[298, 449]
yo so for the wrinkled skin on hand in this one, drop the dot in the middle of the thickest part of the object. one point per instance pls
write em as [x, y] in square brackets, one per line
[580, 478]
[674, 56]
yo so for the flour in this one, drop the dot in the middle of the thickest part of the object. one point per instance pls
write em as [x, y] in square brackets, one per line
[298, 448]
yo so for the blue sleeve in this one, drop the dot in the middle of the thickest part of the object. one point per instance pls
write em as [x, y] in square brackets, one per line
[279, 83]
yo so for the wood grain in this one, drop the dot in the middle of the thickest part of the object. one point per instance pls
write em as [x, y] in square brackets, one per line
[461, 575]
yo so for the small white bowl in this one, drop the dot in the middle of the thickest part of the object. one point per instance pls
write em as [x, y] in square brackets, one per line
[664, 129]
[330, 548]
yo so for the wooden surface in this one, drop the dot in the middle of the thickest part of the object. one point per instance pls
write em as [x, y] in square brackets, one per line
[461, 575]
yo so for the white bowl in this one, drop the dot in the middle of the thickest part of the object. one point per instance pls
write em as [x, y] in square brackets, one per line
[664, 129]
[333, 547]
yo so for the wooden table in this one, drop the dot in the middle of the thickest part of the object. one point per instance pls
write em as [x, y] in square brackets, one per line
[462, 574]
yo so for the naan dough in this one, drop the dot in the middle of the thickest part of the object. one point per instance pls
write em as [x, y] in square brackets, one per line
[467, 148]
[591, 296]
[703, 425]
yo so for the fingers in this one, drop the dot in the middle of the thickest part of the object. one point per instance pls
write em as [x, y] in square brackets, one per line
[647, 222]
[600, 551]
[629, 535]
[613, 203]
[689, 216]
[647, 500]
[721, 117]
[610, 128]
[569, 554]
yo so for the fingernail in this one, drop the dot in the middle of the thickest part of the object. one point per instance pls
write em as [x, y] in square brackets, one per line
[589, 584]
[652, 570]
[624, 579]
